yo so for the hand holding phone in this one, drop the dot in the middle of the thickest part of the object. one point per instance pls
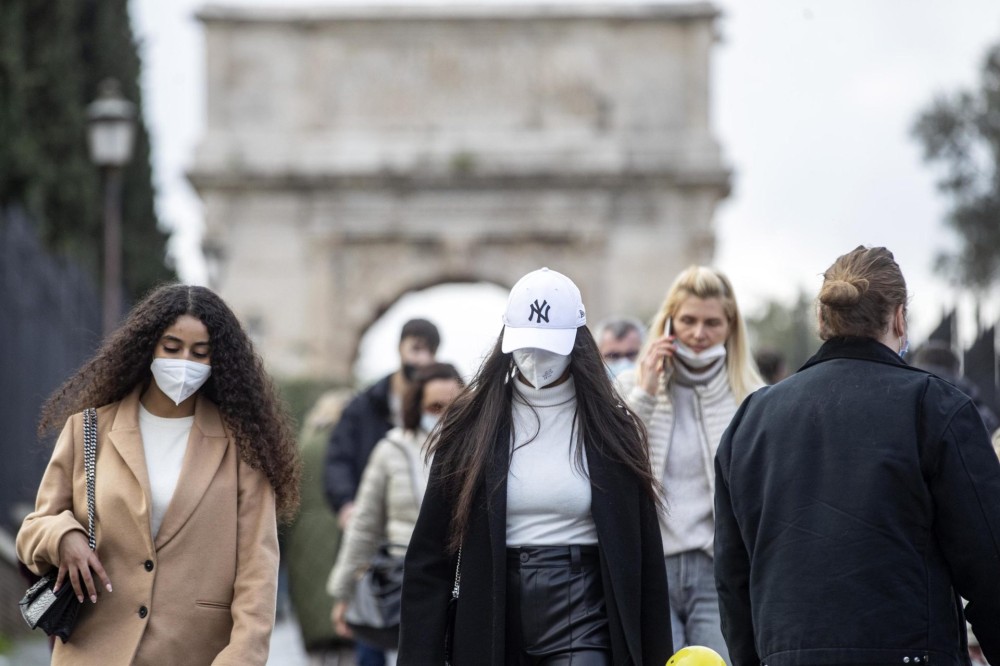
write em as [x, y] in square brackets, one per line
[668, 332]
[656, 360]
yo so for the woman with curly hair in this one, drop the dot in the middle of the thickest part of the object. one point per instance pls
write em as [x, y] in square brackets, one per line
[195, 464]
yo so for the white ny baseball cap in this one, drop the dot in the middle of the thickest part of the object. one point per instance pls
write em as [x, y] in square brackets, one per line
[544, 310]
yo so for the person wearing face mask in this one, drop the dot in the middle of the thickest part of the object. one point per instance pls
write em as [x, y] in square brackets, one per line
[392, 486]
[371, 414]
[858, 500]
[196, 462]
[692, 375]
[364, 422]
[540, 508]
[619, 340]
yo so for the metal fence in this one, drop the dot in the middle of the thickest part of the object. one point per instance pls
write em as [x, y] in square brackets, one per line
[50, 322]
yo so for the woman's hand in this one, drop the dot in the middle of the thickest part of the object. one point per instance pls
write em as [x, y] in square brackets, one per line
[339, 625]
[76, 559]
[654, 363]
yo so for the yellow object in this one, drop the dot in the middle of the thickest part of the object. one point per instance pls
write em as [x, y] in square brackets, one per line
[696, 655]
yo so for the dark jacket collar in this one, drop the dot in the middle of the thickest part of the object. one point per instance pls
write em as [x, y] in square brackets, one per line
[862, 349]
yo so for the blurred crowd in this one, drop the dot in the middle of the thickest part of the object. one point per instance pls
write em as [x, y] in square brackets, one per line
[591, 496]
[366, 468]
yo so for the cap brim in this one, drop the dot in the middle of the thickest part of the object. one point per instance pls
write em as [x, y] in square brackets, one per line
[555, 340]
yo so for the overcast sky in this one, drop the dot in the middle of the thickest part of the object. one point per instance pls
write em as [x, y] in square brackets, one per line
[812, 103]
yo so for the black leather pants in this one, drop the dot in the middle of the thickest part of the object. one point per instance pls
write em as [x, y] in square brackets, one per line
[556, 614]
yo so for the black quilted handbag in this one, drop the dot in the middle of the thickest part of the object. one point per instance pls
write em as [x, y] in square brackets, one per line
[373, 613]
[56, 614]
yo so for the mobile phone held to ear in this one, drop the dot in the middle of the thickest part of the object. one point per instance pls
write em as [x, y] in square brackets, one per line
[668, 331]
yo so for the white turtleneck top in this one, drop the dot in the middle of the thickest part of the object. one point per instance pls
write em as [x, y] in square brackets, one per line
[548, 496]
[690, 524]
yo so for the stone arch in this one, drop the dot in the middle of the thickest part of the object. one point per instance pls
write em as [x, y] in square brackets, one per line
[384, 148]
[381, 309]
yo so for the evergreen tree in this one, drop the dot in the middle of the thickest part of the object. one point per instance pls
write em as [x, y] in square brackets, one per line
[962, 132]
[53, 54]
[788, 329]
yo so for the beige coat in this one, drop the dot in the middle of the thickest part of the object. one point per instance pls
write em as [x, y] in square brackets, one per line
[204, 591]
[386, 507]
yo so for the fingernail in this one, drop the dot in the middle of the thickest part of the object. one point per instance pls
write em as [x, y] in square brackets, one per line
[79, 598]
[93, 599]
[109, 587]
[55, 589]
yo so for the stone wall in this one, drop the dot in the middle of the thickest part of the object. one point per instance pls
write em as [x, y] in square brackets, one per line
[352, 154]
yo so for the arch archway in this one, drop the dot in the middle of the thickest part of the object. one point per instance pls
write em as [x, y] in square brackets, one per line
[468, 315]
[333, 194]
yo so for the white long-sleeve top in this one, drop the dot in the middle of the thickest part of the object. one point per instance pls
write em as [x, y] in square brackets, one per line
[548, 496]
[164, 443]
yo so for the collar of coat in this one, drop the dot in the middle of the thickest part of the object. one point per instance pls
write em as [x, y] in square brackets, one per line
[862, 349]
[207, 445]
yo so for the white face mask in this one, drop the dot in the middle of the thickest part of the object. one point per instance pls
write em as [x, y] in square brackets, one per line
[617, 367]
[428, 421]
[699, 360]
[179, 379]
[540, 367]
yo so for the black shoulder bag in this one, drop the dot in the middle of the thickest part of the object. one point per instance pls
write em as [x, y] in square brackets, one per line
[56, 614]
[373, 613]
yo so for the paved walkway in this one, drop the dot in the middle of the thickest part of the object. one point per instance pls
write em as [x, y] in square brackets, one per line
[286, 649]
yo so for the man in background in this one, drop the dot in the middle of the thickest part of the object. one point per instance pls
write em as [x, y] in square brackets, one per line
[938, 357]
[365, 420]
[619, 340]
[371, 414]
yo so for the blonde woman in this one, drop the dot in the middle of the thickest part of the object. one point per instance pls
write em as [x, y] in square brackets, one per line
[693, 373]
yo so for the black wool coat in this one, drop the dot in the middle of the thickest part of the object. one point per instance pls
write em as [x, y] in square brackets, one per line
[855, 502]
[364, 422]
[632, 571]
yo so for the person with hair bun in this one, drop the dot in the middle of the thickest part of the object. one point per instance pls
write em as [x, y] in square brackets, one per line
[858, 500]
[196, 462]
[692, 374]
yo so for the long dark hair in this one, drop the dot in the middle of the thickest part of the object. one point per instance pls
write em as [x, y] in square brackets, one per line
[238, 385]
[472, 430]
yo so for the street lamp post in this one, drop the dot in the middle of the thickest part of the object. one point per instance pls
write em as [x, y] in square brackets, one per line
[111, 131]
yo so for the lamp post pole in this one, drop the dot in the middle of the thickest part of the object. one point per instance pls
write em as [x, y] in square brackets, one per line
[111, 132]
[112, 291]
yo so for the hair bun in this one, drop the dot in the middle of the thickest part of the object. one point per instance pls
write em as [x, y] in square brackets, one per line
[842, 294]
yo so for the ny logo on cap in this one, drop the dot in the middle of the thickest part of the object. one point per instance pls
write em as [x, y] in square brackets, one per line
[541, 310]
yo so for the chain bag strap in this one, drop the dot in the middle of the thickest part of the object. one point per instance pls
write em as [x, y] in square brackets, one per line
[449, 631]
[458, 576]
[90, 467]
[56, 613]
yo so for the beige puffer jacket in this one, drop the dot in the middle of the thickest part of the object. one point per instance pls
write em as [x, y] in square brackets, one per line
[385, 509]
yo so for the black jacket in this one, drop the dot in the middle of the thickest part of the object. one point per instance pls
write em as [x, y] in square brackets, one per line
[854, 501]
[632, 572]
[364, 422]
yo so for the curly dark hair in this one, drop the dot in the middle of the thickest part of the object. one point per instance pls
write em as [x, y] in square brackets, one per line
[238, 385]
